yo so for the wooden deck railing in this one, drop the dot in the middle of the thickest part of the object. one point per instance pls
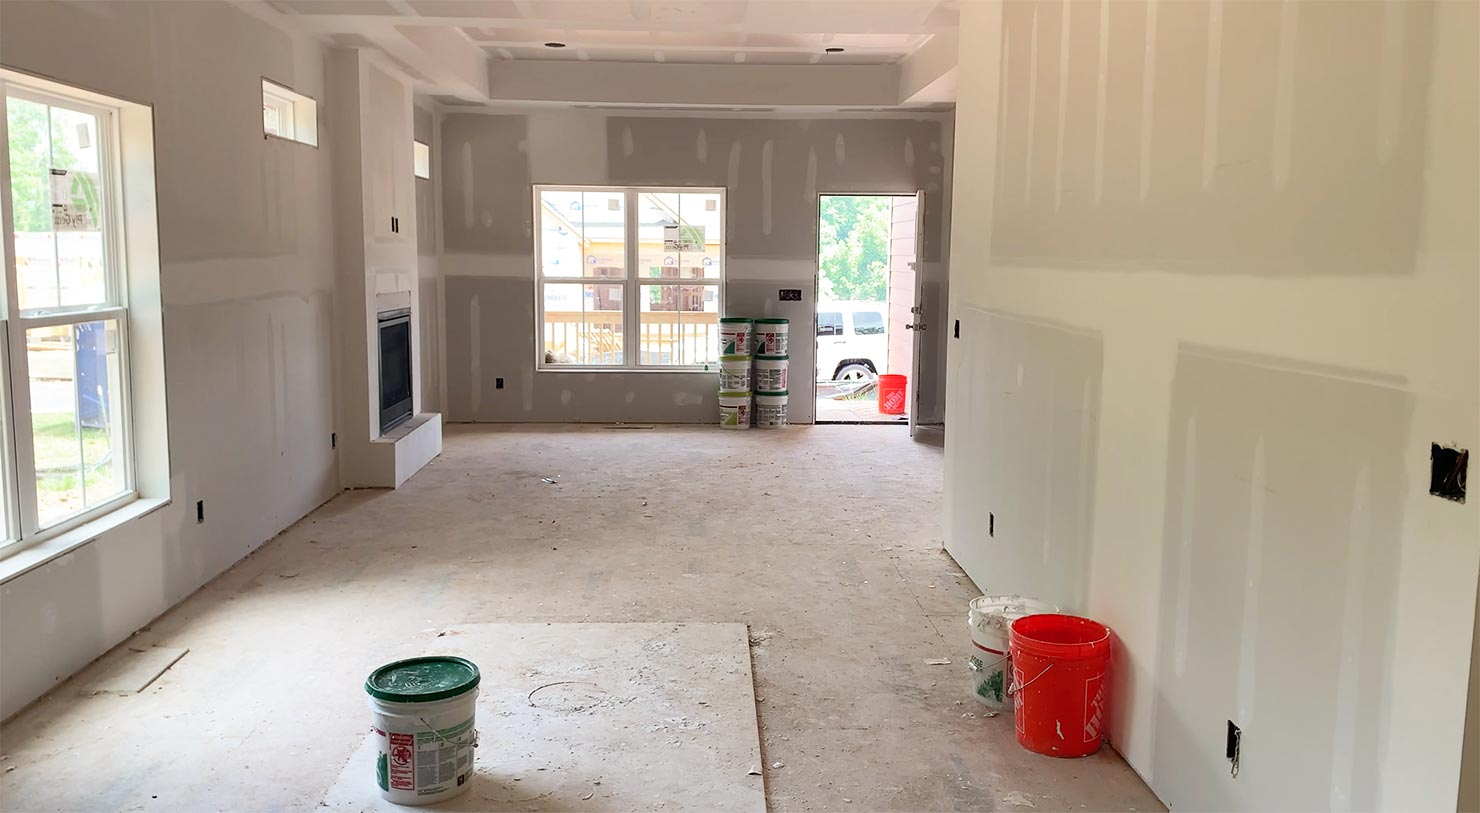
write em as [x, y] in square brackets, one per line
[664, 337]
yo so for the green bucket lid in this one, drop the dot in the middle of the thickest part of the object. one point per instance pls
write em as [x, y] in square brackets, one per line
[739, 357]
[735, 319]
[744, 394]
[782, 357]
[423, 680]
[763, 394]
[773, 321]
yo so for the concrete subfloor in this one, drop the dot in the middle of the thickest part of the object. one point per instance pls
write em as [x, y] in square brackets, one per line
[824, 540]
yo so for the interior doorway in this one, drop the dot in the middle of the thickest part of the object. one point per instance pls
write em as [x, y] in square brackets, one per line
[866, 299]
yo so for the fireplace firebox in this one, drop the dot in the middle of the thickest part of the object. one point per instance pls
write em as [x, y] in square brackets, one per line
[395, 367]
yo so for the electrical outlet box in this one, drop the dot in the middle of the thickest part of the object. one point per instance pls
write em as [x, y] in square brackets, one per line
[498, 383]
[200, 511]
[1448, 470]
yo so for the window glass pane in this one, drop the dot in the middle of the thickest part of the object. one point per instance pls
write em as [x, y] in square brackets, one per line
[78, 208]
[30, 195]
[868, 323]
[582, 234]
[59, 205]
[829, 324]
[702, 255]
[605, 231]
[421, 160]
[76, 417]
[583, 323]
[657, 256]
[679, 324]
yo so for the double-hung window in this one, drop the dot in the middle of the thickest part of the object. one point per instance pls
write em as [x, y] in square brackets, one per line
[629, 277]
[65, 383]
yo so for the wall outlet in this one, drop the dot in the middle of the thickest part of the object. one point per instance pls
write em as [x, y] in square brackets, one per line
[991, 524]
[333, 440]
[956, 332]
[498, 383]
[1448, 470]
[200, 511]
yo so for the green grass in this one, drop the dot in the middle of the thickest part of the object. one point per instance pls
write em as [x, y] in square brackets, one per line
[59, 492]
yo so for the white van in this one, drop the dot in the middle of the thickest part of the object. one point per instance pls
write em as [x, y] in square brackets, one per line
[852, 340]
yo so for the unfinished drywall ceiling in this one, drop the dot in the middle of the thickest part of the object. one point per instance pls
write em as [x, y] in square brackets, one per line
[245, 242]
[1264, 238]
[773, 169]
[702, 52]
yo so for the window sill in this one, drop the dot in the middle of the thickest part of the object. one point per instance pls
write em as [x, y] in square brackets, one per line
[29, 558]
[639, 370]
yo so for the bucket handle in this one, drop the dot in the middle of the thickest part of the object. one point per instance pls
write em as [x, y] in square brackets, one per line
[1012, 690]
[438, 734]
[988, 666]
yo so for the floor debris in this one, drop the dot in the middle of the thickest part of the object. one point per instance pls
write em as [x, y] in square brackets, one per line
[937, 661]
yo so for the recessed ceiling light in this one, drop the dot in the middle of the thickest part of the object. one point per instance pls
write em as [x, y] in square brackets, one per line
[554, 45]
[833, 50]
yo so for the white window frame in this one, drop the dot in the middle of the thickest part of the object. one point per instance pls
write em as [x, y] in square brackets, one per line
[297, 114]
[631, 283]
[23, 527]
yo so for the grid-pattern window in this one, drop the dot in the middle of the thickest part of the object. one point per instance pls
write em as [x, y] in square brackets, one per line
[629, 277]
[66, 423]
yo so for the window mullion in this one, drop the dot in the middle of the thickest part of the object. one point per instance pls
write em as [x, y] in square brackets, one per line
[631, 308]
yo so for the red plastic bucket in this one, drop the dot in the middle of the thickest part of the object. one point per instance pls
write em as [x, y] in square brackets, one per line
[891, 394]
[1059, 667]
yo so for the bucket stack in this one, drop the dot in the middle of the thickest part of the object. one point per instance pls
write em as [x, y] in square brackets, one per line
[770, 379]
[735, 372]
[753, 359]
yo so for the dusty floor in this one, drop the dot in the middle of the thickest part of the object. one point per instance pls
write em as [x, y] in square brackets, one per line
[825, 540]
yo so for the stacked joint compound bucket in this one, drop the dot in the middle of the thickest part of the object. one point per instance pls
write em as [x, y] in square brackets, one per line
[735, 372]
[770, 379]
[423, 711]
[990, 618]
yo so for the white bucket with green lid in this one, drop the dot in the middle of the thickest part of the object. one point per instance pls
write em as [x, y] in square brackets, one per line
[770, 410]
[734, 373]
[424, 735]
[770, 374]
[770, 337]
[990, 618]
[734, 410]
[734, 336]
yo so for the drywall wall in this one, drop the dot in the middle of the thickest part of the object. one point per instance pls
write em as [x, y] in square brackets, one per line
[247, 282]
[773, 169]
[429, 297]
[1217, 277]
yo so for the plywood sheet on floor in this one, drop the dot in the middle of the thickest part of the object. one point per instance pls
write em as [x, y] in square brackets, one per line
[130, 669]
[601, 717]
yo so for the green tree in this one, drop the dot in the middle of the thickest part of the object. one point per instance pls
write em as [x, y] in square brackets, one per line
[31, 161]
[854, 247]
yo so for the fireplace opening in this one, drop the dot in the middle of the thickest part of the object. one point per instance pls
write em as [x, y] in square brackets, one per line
[395, 367]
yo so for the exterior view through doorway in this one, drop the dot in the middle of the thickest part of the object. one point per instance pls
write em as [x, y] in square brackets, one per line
[866, 305]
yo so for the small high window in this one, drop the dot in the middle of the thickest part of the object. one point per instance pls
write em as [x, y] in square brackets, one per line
[421, 160]
[289, 114]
